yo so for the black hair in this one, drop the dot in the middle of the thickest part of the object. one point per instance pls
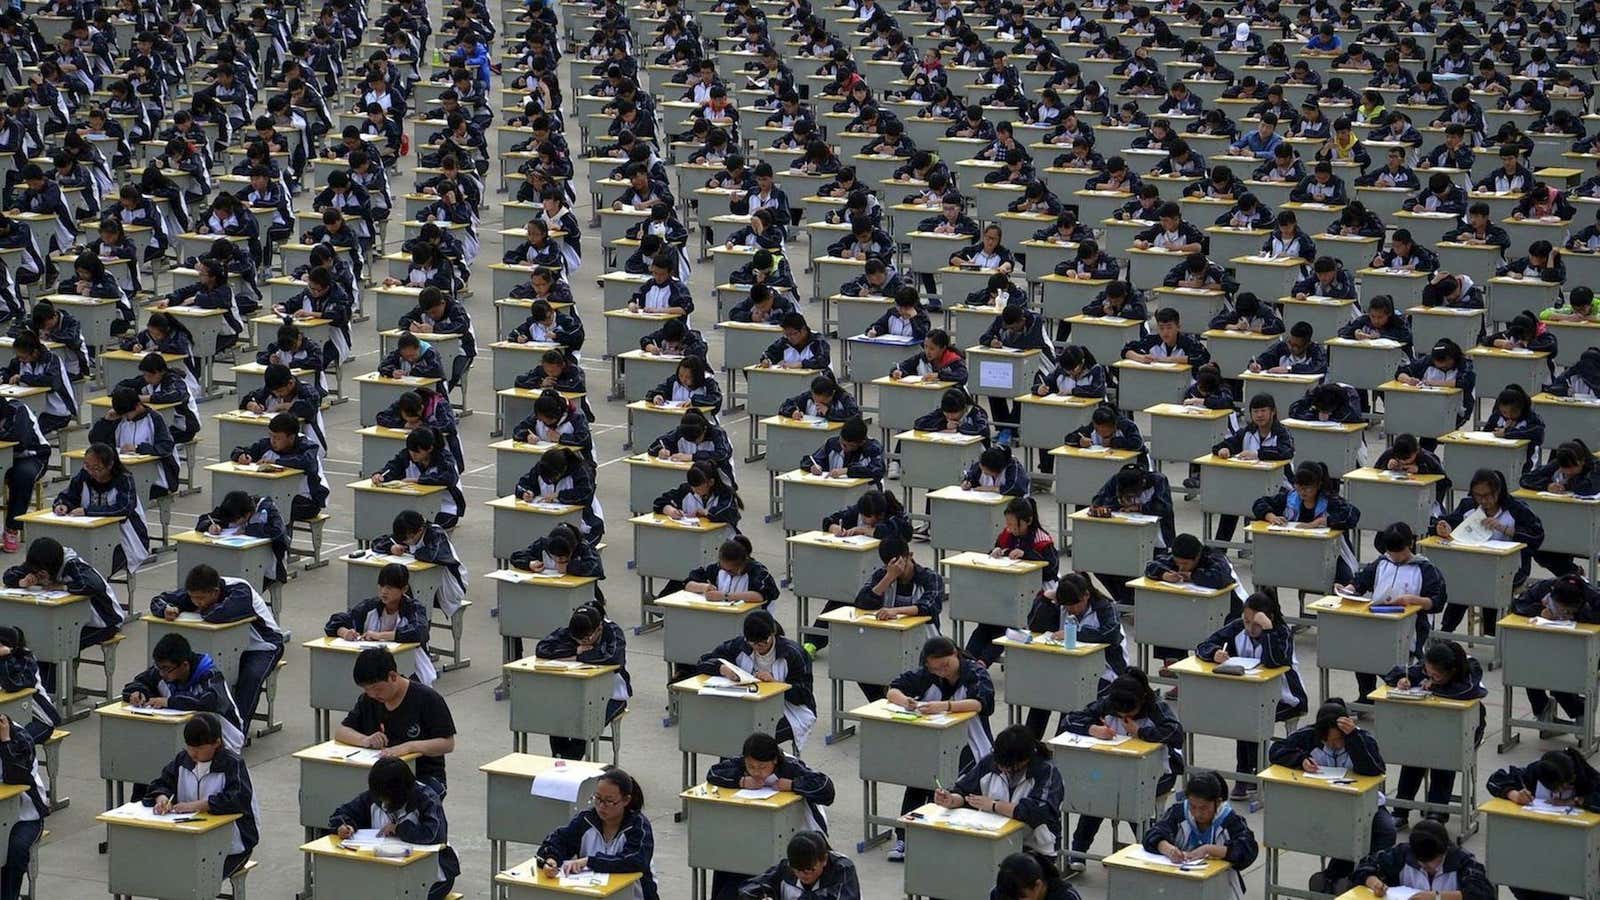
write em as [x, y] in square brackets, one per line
[173, 648]
[1206, 785]
[1429, 840]
[806, 848]
[892, 548]
[202, 578]
[1016, 745]
[373, 665]
[587, 619]
[1328, 715]
[1449, 656]
[1187, 546]
[632, 793]
[202, 728]
[1130, 693]
[1263, 602]
[1397, 536]
[391, 781]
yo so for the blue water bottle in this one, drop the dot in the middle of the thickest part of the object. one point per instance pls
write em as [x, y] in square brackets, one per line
[1069, 630]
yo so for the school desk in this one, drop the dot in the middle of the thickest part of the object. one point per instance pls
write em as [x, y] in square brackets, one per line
[967, 322]
[990, 591]
[1044, 256]
[714, 202]
[768, 386]
[1043, 674]
[1147, 266]
[908, 749]
[1233, 351]
[339, 872]
[316, 330]
[1003, 372]
[379, 445]
[1325, 315]
[644, 371]
[1298, 557]
[694, 626]
[1047, 420]
[1431, 324]
[869, 650]
[1231, 486]
[1143, 385]
[1179, 433]
[1320, 816]
[1116, 781]
[515, 405]
[1176, 614]
[1404, 285]
[1434, 733]
[332, 687]
[1283, 387]
[512, 359]
[1228, 242]
[95, 538]
[1552, 657]
[626, 328]
[730, 833]
[1334, 444]
[1080, 473]
[867, 358]
[1130, 875]
[391, 301]
[17, 706]
[224, 642]
[933, 459]
[1353, 638]
[118, 366]
[743, 344]
[1422, 410]
[134, 745]
[1572, 338]
[363, 566]
[830, 273]
[241, 428]
[991, 200]
[1571, 523]
[1428, 227]
[564, 699]
[180, 860]
[1566, 418]
[1194, 305]
[824, 566]
[902, 400]
[1120, 544]
[648, 478]
[1265, 276]
[1104, 336]
[525, 881]
[1465, 452]
[376, 505]
[946, 857]
[961, 519]
[1542, 851]
[375, 393]
[716, 722]
[517, 815]
[95, 315]
[1353, 251]
[617, 289]
[614, 223]
[1511, 294]
[1479, 575]
[33, 398]
[1238, 707]
[668, 548]
[205, 326]
[1387, 497]
[52, 625]
[1362, 364]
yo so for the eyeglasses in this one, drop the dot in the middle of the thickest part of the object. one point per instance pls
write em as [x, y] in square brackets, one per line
[604, 801]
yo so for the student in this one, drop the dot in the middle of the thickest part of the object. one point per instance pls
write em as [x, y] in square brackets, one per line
[1399, 577]
[241, 514]
[1296, 354]
[1202, 826]
[1259, 633]
[1429, 862]
[285, 446]
[1568, 598]
[798, 348]
[222, 600]
[1015, 780]
[1023, 876]
[849, 454]
[1107, 428]
[696, 439]
[997, 471]
[1560, 778]
[50, 566]
[399, 715]
[133, 427]
[412, 358]
[34, 366]
[1168, 344]
[945, 681]
[825, 400]
[554, 420]
[809, 867]
[556, 371]
[105, 487]
[1134, 490]
[901, 587]
[1076, 374]
[736, 576]
[1335, 741]
[1264, 438]
[411, 535]
[562, 476]
[1507, 517]
[692, 384]
[403, 806]
[1407, 456]
[1571, 471]
[1514, 417]
[704, 493]
[765, 652]
[1445, 670]
[19, 671]
[1444, 366]
[19, 766]
[907, 318]
[183, 679]
[29, 458]
[589, 637]
[393, 615]
[207, 777]
[938, 360]
[1128, 706]
[614, 836]
[1314, 501]
[876, 513]
[762, 764]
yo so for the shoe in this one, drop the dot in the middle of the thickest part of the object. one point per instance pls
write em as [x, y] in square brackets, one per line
[897, 853]
[1005, 437]
[1075, 866]
[1402, 819]
[894, 471]
[12, 543]
[1241, 791]
[810, 648]
[1192, 483]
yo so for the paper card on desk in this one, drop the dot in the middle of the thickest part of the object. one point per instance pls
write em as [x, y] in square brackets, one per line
[740, 676]
[1400, 893]
[161, 713]
[1414, 693]
[1280, 529]
[547, 573]
[985, 496]
[996, 376]
[1518, 351]
[1542, 622]
[190, 617]
[996, 562]
[386, 558]
[559, 664]
[761, 793]
[1328, 773]
[1084, 740]
[1246, 663]
[974, 819]
[1486, 437]
[1550, 809]
[560, 783]
[1474, 529]
[1156, 859]
[686, 521]
[1500, 545]
[904, 340]
[945, 437]
[1141, 518]
[1316, 423]
[585, 880]
[233, 540]
[673, 404]
[137, 811]
[357, 645]
[1192, 290]
[547, 505]
[80, 519]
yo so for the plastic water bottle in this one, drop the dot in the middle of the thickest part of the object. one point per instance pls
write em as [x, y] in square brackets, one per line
[1069, 630]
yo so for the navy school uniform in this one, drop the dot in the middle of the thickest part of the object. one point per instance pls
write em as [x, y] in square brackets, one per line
[205, 691]
[1340, 515]
[837, 882]
[147, 434]
[440, 470]
[866, 461]
[427, 364]
[1314, 361]
[117, 497]
[571, 431]
[19, 671]
[1535, 602]
[789, 665]
[1275, 648]
[1529, 427]
[1584, 793]
[28, 458]
[1463, 376]
[975, 422]
[409, 623]
[972, 682]
[304, 404]
[420, 820]
[576, 487]
[1584, 484]
[61, 404]
[631, 850]
[842, 409]
[433, 546]
[1399, 867]
[814, 354]
[925, 590]
[1037, 794]
[708, 394]
[172, 388]
[1101, 623]
[850, 517]
[1091, 383]
[721, 506]
[1441, 782]
[714, 447]
[304, 455]
[19, 766]
[814, 787]
[1158, 726]
[610, 650]
[1228, 828]
[455, 320]
[1277, 444]
[1360, 755]
[226, 787]
[1155, 500]
[1012, 480]
[239, 601]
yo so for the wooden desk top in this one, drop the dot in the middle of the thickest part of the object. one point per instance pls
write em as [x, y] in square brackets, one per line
[1039, 644]
[849, 615]
[884, 711]
[655, 462]
[1382, 476]
[1194, 665]
[1108, 321]
[1349, 606]
[1461, 437]
[914, 383]
[1133, 746]
[559, 668]
[687, 599]
[379, 431]
[1125, 859]
[196, 624]
[1525, 495]
[1136, 520]
[519, 576]
[231, 542]
[203, 822]
[329, 845]
[657, 520]
[264, 471]
[399, 381]
[800, 476]
[536, 508]
[340, 755]
[1382, 691]
[1403, 388]
[396, 487]
[1066, 400]
[1523, 623]
[706, 792]
[1578, 818]
[763, 690]
[1259, 527]
[38, 597]
[1502, 353]
[940, 437]
[1434, 542]
[770, 369]
[932, 816]
[1193, 412]
[1360, 783]
[1211, 459]
[806, 424]
[1212, 334]
[975, 495]
[1182, 588]
[528, 765]
[986, 563]
[1333, 427]
[122, 710]
[332, 645]
[527, 874]
[48, 517]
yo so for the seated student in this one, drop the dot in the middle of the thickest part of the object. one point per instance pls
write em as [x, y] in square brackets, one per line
[1297, 353]
[1018, 329]
[1379, 322]
[1075, 374]
[158, 383]
[1506, 516]
[1107, 428]
[766, 652]
[291, 349]
[29, 458]
[947, 681]
[1168, 344]
[1327, 279]
[1264, 437]
[590, 637]
[692, 384]
[19, 766]
[763, 305]
[876, 280]
[546, 324]
[996, 470]
[1568, 598]
[1334, 741]
[704, 493]
[1524, 332]
[696, 438]
[285, 446]
[426, 461]
[1407, 455]
[1399, 577]
[1128, 706]
[1558, 777]
[849, 454]
[1023, 876]
[393, 615]
[664, 292]
[50, 566]
[673, 338]
[411, 535]
[32, 365]
[809, 866]
[1581, 379]
[1571, 470]
[1098, 621]
[183, 679]
[826, 400]
[220, 600]
[1445, 670]
[391, 707]
[424, 407]
[133, 427]
[412, 358]
[324, 298]
[208, 777]
[557, 371]
[280, 391]
[614, 836]
[799, 348]
[1248, 315]
[105, 487]
[907, 319]
[1258, 633]
[901, 587]
[1430, 863]
[556, 420]
[1196, 271]
[1313, 500]
[1444, 366]
[1202, 826]
[1330, 401]
[210, 291]
[436, 313]
[1022, 537]
[736, 576]
[1514, 417]
[956, 413]
[405, 807]
[1014, 780]
[938, 360]
[876, 513]
[19, 671]
[1134, 489]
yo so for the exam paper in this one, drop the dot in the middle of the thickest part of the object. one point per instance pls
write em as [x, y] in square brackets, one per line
[760, 793]
[1246, 663]
[233, 540]
[974, 819]
[586, 879]
[343, 644]
[987, 496]
[1542, 622]
[137, 811]
[1328, 773]
[1156, 859]
[167, 713]
[1084, 740]
[190, 617]
[1547, 808]
[1135, 517]
[560, 783]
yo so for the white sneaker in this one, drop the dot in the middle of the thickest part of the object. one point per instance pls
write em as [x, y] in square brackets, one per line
[894, 471]
[898, 852]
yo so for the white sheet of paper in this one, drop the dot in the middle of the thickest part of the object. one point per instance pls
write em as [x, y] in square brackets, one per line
[1400, 893]
[1135, 517]
[1328, 773]
[987, 496]
[974, 819]
[996, 376]
[1246, 663]
[190, 617]
[1474, 529]
[138, 811]
[1548, 808]
[586, 879]
[1156, 859]
[1542, 622]
[166, 713]
[760, 793]
[1084, 740]
[357, 645]
[560, 783]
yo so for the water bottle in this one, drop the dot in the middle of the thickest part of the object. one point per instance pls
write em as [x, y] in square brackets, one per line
[1069, 631]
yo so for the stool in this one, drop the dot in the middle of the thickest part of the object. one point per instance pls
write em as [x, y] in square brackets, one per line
[52, 767]
[107, 663]
[456, 627]
[614, 738]
[312, 526]
[271, 690]
[29, 892]
[236, 881]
